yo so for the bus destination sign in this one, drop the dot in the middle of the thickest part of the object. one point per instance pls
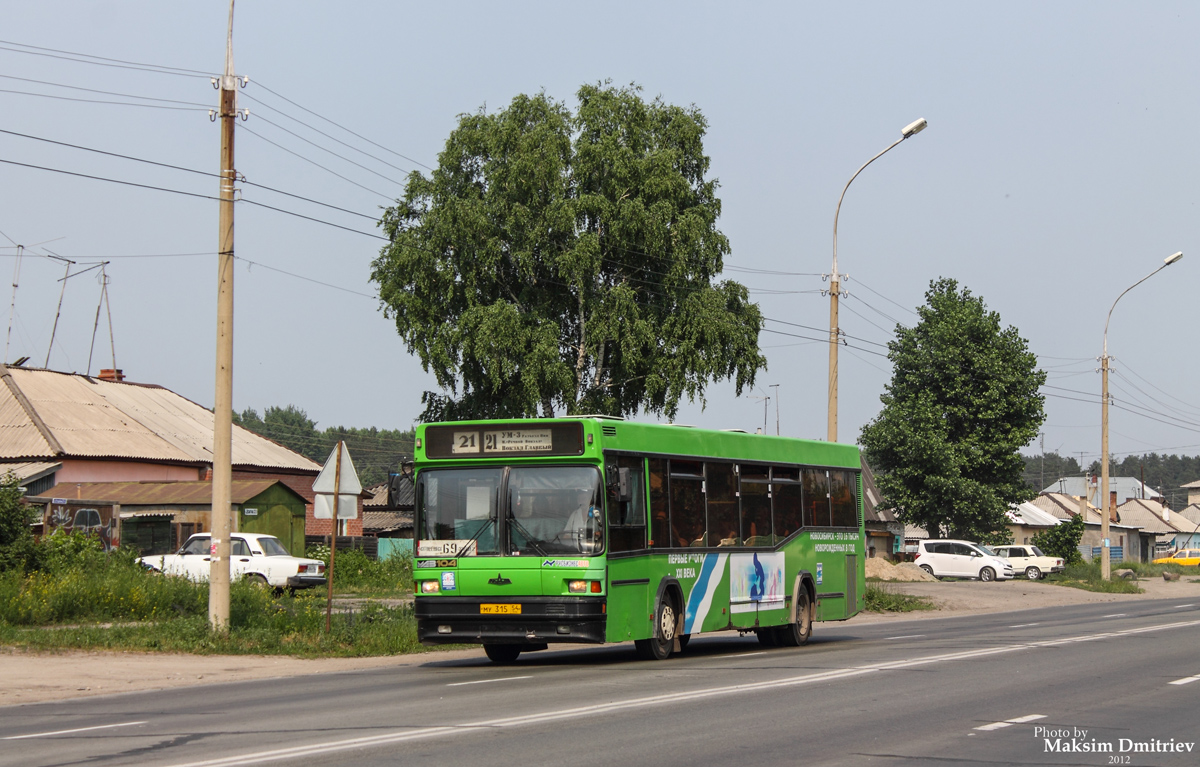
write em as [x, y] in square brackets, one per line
[495, 440]
[506, 441]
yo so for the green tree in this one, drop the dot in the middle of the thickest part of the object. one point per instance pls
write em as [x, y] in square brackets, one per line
[376, 452]
[17, 549]
[1062, 540]
[567, 260]
[962, 401]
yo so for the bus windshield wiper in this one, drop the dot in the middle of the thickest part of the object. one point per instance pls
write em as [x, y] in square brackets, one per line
[473, 538]
[528, 537]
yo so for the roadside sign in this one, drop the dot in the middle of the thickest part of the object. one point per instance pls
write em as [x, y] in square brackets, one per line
[347, 486]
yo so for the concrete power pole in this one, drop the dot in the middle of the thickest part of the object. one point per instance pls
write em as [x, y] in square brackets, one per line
[222, 487]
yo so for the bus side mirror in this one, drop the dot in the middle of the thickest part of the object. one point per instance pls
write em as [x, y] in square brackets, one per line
[624, 486]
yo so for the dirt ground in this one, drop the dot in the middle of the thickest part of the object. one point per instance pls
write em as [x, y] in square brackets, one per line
[31, 678]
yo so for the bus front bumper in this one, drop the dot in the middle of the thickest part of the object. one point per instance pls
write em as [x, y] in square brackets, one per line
[541, 620]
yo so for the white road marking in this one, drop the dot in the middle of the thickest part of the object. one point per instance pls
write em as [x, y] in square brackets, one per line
[1115, 615]
[1011, 722]
[1179, 606]
[485, 681]
[67, 732]
[1186, 680]
[1024, 625]
[675, 698]
[908, 636]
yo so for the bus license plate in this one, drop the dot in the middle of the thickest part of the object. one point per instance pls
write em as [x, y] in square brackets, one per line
[499, 609]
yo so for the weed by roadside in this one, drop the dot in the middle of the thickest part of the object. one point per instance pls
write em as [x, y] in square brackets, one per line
[1086, 576]
[356, 573]
[885, 598]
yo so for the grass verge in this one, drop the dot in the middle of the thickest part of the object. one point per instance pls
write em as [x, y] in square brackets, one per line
[885, 598]
[1086, 576]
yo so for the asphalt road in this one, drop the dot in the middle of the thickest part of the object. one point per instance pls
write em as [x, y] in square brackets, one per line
[1006, 688]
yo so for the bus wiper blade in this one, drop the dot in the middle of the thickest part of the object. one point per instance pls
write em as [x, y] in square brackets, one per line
[473, 538]
[528, 537]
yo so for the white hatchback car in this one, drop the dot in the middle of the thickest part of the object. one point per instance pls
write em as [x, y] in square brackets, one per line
[1030, 560]
[253, 557]
[961, 559]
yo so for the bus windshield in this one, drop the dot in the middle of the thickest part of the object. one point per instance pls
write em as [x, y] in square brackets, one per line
[554, 510]
[548, 510]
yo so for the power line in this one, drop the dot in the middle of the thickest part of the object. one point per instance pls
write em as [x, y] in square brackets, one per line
[194, 194]
[110, 154]
[101, 61]
[110, 180]
[326, 135]
[315, 220]
[342, 127]
[104, 93]
[330, 151]
[314, 162]
[98, 101]
[187, 170]
[306, 279]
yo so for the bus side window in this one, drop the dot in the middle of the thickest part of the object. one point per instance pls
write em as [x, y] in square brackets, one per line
[627, 519]
[687, 504]
[660, 518]
[788, 507]
[721, 495]
[843, 497]
[816, 497]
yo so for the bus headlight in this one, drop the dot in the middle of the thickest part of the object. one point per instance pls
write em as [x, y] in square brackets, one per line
[583, 587]
[429, 587]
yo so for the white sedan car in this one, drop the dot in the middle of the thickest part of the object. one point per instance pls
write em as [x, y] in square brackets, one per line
[1030, 560]
[258, 558]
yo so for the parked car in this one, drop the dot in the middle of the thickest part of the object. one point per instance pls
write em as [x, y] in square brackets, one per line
[1190, 557]
[253, 557]
[961, 559]
[1030, 560]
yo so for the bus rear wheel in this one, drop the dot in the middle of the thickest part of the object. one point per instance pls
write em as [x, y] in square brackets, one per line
[797, 634]
[659, 646]
[502, 653]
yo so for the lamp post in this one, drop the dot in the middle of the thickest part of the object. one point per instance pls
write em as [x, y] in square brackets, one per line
[908, 131]
[1105, 563]
[776, 388]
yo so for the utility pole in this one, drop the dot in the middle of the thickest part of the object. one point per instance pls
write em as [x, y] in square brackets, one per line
[58, 312]
[1042, 446]
[776, 388]
[222, 487]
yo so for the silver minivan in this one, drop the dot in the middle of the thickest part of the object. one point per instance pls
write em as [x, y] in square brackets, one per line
[961, 559]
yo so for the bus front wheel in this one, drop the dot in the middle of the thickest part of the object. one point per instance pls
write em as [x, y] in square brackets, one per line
[502, 653]
[659, 646]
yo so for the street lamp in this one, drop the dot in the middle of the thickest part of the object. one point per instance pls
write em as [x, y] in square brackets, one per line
[1105, 563]
[908, 131]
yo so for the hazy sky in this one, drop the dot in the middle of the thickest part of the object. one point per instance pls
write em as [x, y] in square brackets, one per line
[1058, 168]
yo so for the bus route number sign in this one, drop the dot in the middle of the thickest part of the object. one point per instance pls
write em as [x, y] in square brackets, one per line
[505, 441]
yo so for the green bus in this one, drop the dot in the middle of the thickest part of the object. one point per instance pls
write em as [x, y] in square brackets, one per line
[598, 529]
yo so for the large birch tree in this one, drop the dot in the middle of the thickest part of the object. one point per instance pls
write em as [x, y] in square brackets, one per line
[562, 261]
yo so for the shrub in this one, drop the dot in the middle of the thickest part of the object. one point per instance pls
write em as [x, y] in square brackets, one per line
[17, 549]
[884, 598]
[1062, 541]
[354, 571]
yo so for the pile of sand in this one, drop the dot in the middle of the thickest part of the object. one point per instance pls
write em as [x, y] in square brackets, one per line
[878, 567]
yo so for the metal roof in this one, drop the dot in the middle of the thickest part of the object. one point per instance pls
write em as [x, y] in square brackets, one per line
[29, 470]
[1148, 515]
[386, 521]
[158, 493]
[92, 418]
[1124, 487]
[1029, 514]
